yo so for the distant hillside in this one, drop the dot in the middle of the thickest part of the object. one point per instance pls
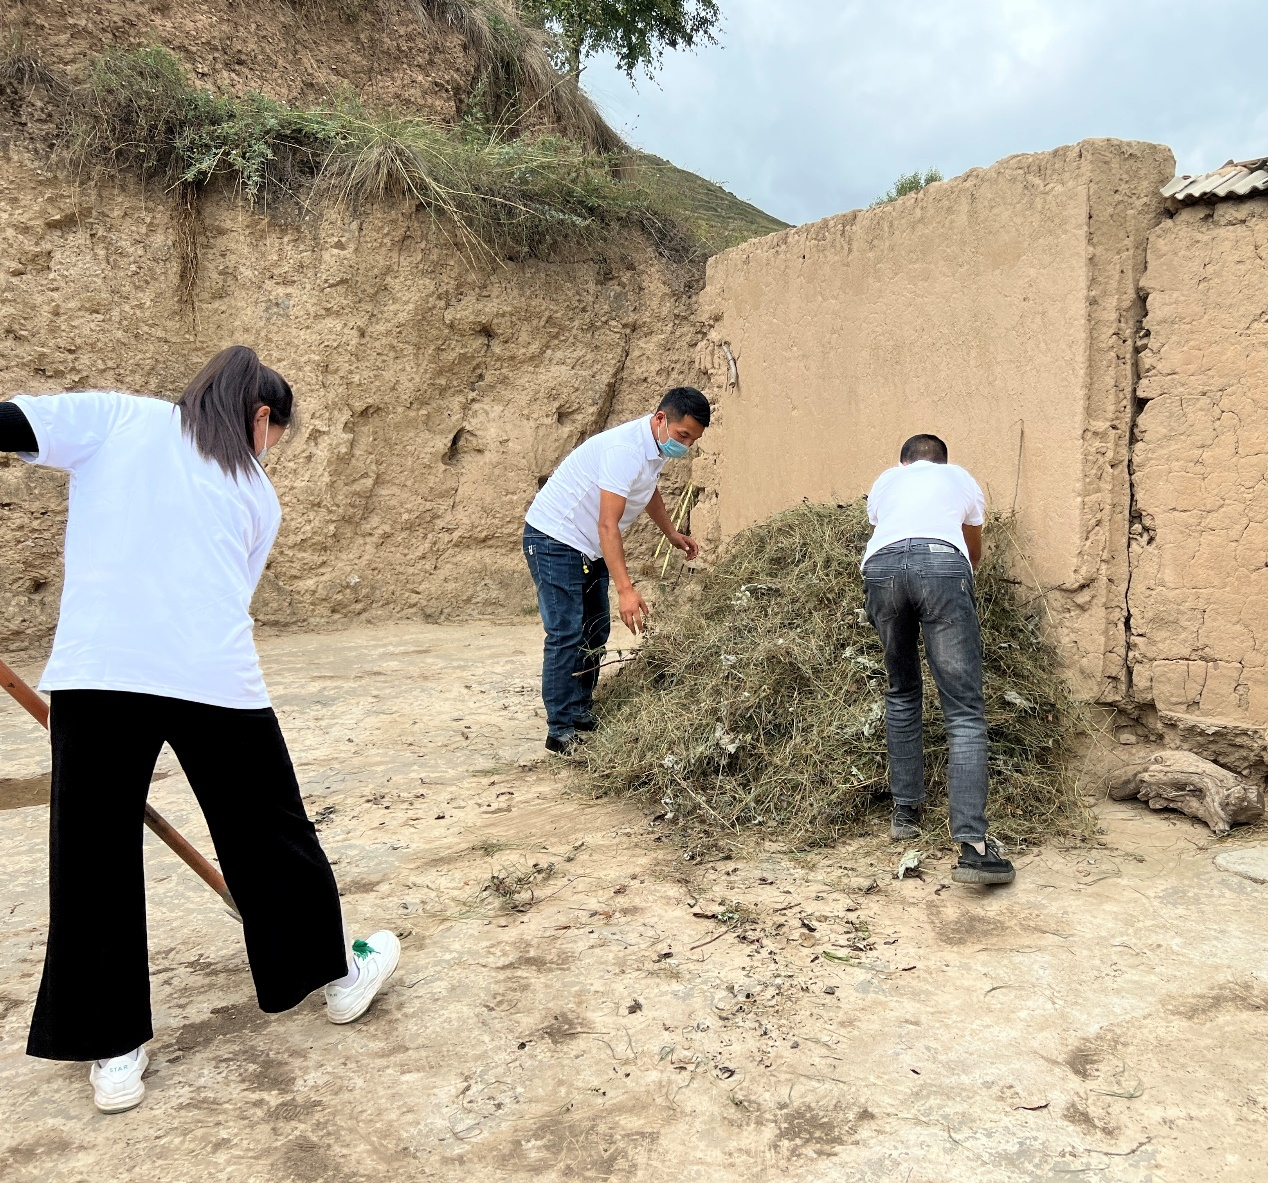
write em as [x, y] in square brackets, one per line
[720, 219]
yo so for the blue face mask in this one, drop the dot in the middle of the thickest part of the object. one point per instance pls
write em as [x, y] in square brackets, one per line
[672, 449]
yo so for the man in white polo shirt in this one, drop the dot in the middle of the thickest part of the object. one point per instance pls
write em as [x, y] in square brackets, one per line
[572, 541]
[918, 571]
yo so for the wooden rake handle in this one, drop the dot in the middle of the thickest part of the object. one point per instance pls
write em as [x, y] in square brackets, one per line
[158, 824]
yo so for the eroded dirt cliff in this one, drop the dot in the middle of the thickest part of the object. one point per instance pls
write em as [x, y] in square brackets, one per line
[438, 385]
[435, 393]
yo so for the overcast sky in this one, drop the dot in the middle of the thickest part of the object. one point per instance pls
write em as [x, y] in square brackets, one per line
[810, 107]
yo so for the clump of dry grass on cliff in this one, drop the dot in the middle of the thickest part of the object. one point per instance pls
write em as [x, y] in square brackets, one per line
[517, 78]
[755, 706]
[508, 197]
[22, 72]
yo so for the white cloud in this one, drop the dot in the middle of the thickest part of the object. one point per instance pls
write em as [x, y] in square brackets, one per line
[814, 106]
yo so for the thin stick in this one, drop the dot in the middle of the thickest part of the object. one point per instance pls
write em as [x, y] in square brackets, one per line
[716, 937]
[606, 664]
[675, 517]
[677, 510]
[1021, 441]
[161, 827]
[683, 508]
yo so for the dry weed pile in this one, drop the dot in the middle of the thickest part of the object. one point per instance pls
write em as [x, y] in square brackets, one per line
[756, 703]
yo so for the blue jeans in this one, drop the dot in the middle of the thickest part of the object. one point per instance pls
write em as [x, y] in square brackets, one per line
[572, 595]
[926, 585]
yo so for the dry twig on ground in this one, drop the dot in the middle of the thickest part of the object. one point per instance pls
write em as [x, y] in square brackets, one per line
[513, 887]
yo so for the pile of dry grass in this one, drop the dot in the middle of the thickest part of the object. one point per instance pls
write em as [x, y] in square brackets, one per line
[755, 706]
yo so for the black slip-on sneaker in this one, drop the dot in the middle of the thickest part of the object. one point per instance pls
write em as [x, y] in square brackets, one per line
[991, 867]
[588, 723]
[904, 825]
[561, 747]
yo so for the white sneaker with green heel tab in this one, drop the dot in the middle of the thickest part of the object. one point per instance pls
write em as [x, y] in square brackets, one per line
[377, 958]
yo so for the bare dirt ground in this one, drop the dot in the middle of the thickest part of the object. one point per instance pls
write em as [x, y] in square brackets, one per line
[1103, 1019]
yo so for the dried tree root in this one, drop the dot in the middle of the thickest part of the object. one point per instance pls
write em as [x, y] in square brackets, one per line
[1183, 781]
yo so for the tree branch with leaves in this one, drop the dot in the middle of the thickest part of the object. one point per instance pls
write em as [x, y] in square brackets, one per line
[635, 32]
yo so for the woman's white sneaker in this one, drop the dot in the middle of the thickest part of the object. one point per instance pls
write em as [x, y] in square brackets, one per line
[118, 1086]
[377, 958]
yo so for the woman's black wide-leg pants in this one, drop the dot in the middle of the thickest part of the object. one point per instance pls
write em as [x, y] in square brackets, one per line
[94, 999]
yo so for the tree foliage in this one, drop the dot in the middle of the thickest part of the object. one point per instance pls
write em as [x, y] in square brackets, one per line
[636, 32]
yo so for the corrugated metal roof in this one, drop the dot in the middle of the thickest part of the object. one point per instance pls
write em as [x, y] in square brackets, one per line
[1235, 179]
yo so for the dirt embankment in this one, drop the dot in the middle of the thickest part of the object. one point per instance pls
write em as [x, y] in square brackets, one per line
[296, 51]
[436, 393]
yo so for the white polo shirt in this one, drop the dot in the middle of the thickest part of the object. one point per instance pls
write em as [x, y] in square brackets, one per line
[923, 500]
[163, 552]
[623, 460]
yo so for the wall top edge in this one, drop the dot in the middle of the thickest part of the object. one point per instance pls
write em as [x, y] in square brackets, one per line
[1128, 154]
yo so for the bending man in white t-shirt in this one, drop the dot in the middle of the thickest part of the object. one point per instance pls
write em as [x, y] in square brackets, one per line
[918, 570]
[572, 541]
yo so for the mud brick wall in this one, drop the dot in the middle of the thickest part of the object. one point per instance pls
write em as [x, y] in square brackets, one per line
[1199, 573]
[998, 310]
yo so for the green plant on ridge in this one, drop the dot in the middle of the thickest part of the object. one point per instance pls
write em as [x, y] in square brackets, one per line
[908, 183]
[636, 32]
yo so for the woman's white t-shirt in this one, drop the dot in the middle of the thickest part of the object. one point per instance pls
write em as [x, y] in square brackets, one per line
[163, 552]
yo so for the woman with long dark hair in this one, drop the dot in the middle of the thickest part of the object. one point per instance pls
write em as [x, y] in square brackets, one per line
[171, 520]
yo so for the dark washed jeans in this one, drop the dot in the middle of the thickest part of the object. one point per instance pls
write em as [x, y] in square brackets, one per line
[926, 585]
[572, 595]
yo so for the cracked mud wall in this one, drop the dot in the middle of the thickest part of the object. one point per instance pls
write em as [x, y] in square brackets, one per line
[998, 310]
[434, 396]
[1199, 584]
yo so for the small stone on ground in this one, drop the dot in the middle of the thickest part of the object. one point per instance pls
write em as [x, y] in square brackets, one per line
[1250, 863]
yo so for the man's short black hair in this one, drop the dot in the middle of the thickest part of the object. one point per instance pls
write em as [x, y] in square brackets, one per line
[683, 401]
[924, 447]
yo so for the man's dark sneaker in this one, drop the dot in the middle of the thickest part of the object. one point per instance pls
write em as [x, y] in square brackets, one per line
[905, 823]
[586, 723]
[561, 747]
[991, 867]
